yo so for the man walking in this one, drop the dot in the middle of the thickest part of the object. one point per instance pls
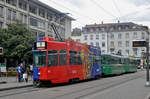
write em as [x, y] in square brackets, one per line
[20, 72]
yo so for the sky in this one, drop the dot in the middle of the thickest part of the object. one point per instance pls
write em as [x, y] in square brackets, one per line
[107, 11]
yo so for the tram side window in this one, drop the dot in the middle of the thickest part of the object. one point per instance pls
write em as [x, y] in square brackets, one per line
[52, 58]
[73, 59]
[62, 57]
[79, 61]
[97, 60]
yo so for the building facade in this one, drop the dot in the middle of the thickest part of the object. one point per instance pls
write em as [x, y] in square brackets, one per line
[76, 34]
[116, 38]
[37, 15]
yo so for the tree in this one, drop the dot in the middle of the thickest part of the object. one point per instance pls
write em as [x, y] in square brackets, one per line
[17, 42]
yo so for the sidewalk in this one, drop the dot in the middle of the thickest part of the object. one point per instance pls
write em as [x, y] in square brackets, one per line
[7, 83]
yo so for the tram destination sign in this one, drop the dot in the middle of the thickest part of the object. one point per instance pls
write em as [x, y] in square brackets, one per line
[40, 45]
[139, 43]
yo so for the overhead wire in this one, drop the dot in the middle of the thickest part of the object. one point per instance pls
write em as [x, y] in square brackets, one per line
[101, 7]
[82, 15]
[116, 6]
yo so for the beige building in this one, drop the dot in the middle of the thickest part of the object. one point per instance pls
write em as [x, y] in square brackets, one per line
[37, 15]
[116, 38]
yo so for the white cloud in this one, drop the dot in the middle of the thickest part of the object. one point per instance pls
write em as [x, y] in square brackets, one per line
[87, 12]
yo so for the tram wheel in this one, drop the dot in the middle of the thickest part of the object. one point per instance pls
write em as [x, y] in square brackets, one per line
[36, 83]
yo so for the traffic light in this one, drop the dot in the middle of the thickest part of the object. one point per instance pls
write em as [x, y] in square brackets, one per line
[1, 51]
[139, 43]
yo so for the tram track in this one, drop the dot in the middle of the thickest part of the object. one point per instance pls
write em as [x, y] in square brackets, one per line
[99, 85]
[101, 88]
[17, 91]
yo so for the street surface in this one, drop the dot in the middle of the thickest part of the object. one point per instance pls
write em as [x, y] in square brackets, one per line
[127, 86]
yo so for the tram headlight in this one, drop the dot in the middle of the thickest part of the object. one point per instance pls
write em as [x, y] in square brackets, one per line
[39, 73]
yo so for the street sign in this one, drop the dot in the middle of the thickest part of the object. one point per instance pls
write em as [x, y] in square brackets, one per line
[2, 67]
[1, 51]
[139, 43]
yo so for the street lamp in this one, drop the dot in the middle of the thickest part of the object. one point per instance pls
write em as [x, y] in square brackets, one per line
[147, 59]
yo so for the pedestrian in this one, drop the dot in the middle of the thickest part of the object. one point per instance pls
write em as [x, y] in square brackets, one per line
[25, 76]
[20, 72]
[31, 70]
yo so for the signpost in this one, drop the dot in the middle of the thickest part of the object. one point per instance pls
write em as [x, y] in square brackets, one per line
[1, 51]
[144, 44]
[2, 67]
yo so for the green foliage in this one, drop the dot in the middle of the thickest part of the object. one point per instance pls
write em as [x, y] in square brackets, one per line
[17, 41]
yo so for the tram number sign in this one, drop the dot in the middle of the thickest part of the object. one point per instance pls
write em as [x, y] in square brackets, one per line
[139, 43]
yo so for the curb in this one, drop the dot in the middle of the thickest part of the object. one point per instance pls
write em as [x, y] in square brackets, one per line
[16, 87]
[3, 82]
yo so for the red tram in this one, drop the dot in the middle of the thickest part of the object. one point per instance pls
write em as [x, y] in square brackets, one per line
[60, 62]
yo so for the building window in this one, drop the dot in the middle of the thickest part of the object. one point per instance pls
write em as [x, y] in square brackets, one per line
[41, 34]
[112, 28]
[135, 51]
[1, 24]
[112, 36]
[97, 37]
[23, 4]
[85, 37]
[14, 16]
[9, 14]
[92, 43]
[77, 40]
[91, 37]
[25, 19]
[119, 36]
[12, 2]
[119, 28]
[143, 36]
[97, 43]
[91, 30]
[103, 44]
[21, 17]
[33, 22]
[41, 24]
[33, 9]
[37, 23]
[112, 44]
[119, 43]
[1, 11]
[135, 35]
[127, 43]
[49, 16]
[127, 52]
[97, 29]
[103, 29]
[127, 35]
[103, 36]
[42, 13]
[112, 50]
[103, 51]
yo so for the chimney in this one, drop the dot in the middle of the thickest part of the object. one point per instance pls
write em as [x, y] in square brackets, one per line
[102, 22]
[118, 21]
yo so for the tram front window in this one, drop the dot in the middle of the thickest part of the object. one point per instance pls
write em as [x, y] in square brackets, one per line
[40, 59]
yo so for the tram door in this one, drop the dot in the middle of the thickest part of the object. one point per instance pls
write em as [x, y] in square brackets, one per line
[62, 66]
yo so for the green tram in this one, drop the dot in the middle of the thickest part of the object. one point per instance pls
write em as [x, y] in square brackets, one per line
[115, 65]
